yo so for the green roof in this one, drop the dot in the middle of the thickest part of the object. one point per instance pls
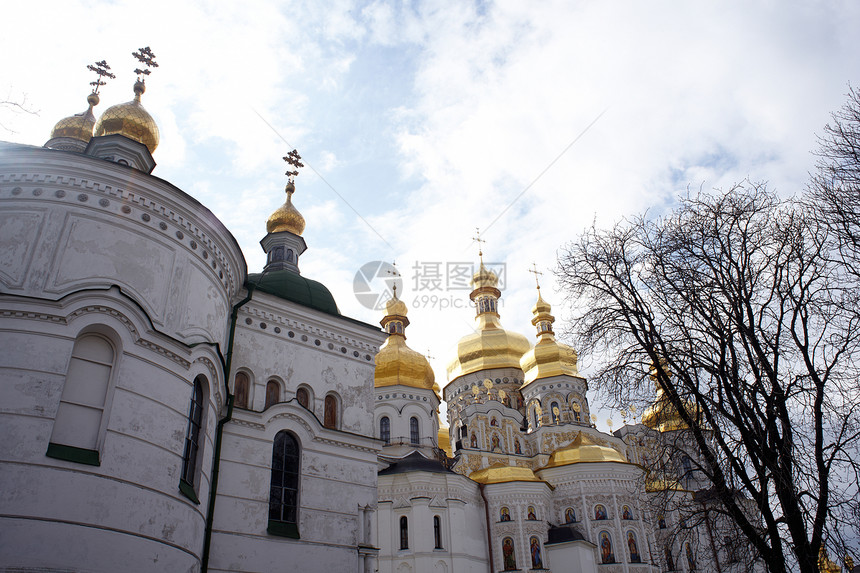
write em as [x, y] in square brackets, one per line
[294, 287]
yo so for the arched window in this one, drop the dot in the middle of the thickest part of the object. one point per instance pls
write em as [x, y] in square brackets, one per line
[670, 561]
[273, 393]
[284, 489]
[241, 389]
[302, 397]
[536, 418]
[80, 415]
[385, 430]
[437, 532]
[413, 430]
[190, 456]
[404, 533]
[686, 468]
[555, 413]
[330, 412]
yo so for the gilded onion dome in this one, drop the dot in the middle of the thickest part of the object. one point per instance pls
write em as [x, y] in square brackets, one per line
[286, 217]
[548, 357]
[662, 415]
[490, 346]
[584, 449]
[444, 440]
[79, 126]
[502, 473]
[131, 120]
[396, 363]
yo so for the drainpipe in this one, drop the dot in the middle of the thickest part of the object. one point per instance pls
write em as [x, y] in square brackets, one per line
[489, 532]
[219, 432]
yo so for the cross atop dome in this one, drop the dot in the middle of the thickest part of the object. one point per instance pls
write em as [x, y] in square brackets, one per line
[147, 58]
[103, 70]
[295, 161]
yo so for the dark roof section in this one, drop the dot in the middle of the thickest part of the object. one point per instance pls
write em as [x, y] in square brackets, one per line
[415, 462]
[295, 288]
[563, 533]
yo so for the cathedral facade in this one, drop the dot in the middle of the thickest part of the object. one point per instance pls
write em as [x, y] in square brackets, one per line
[166, 410]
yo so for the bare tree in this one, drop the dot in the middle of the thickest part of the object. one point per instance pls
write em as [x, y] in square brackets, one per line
[751, 331]
[835, 183]
[12, 105]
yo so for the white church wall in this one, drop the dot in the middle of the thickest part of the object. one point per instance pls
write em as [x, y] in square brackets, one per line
[130, 503]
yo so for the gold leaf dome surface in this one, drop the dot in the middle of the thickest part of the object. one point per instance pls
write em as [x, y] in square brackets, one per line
[548, 357]
[484, 278]
[664, 417]
[79, 126]
[584, 449]
[131, 120]
[490, 346]
[397, 364]
[503, 473]
[286, 217]
[444, 440]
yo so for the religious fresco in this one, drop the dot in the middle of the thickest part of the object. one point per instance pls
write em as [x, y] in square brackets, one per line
[532, 514]
[534, 549]
[626, 513]
[569, 515]
[600, 512]
[505, 514]
[605, 544]
[633, 548]
[508, 554]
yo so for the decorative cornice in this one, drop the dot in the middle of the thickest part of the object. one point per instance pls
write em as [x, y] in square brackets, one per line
[156, 214]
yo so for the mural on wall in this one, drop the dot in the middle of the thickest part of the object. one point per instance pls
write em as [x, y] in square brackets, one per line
[569, 515]
[599, 512]
[505, 514]
[510, 559]
[626, 513]
[532, 514]
[534, 548]
[633, 548]
[606, 554]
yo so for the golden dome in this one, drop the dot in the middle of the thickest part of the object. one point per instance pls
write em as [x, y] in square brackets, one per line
[662, 414]
[584, 449]
[286, 217]
[79, 126]
[444, 440]
[503, 473]
[490, 346]
[396, 363]
[548, 357]
[131, 120]
[484, 278]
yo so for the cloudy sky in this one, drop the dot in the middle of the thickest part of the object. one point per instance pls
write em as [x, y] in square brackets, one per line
[420, 122]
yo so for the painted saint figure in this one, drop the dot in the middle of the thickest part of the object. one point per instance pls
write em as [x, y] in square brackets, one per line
[569, 515]
[534, 547]
[494, 422]
[599, 512]
[495, 441]
[691, 561]
[532, 515]
[633, 548]
[510, 559]
[474, 441]
[606, 554]
[505, 514]
[626, 513]
[517, 447]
